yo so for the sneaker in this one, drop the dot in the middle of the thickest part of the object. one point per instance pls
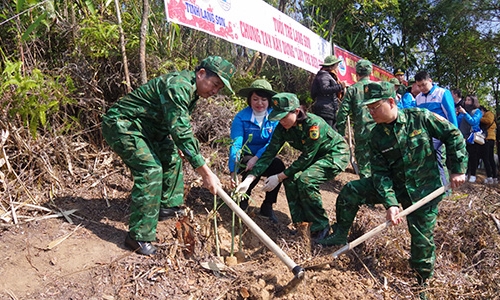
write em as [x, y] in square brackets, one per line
[488, 180]
[472, 178]
[170, 212]
[338, 237]
[266, 210]
[495, 180]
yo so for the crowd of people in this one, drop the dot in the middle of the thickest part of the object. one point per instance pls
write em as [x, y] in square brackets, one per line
[411, 138]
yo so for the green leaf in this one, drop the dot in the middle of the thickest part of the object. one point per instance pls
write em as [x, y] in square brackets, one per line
[90, 6]
[42, 117]
[19, 5]
[108, 3]
[33, 26]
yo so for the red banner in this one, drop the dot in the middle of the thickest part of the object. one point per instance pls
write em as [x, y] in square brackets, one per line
[347, 67]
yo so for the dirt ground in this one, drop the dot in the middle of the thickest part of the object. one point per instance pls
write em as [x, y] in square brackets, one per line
[92, 262]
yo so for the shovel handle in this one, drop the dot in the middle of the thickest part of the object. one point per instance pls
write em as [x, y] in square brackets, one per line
[383, 226]
[297, 270]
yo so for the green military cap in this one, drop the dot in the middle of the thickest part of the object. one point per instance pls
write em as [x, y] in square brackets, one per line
[411, 81]
[399, 71]
[224, 69]
[395, 81]
[363, 67]
[257, 85]
[330, 60]
[283, 103]
[376, 91]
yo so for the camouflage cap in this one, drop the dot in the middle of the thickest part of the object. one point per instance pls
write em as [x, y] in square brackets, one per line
[411, 81]
[283, 103]
[257, 85]
[395, 81]
[330, 60]
[364, 67]
[224, 69]
[376, 91]
[399, 71]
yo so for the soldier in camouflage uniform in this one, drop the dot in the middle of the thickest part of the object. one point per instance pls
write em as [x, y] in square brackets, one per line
[404, 170]
[363, 122]
[150, 129]
[399, 73]
[324, 155]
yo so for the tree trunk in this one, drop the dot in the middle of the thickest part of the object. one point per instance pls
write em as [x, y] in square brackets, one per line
[128, 88]
[142, 42]
[263, 60]
[256, 56]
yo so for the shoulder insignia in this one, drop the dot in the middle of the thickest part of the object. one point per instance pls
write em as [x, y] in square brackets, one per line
[314, 132]
[416, 132]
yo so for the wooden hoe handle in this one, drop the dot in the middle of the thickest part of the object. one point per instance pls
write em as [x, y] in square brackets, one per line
[383, 226]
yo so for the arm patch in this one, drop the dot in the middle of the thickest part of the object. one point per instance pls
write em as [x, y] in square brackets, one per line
[314, 132]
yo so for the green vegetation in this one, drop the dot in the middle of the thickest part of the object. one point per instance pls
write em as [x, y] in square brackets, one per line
[58, 52]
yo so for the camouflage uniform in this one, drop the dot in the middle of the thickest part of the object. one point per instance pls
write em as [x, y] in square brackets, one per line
[325, 154]
[363, 124]
[146, 128]
[405, 169]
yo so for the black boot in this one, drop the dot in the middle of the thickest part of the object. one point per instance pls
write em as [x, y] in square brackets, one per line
[321, 234]
[338, 237]
[422, 288]
[144, 248]
[170, 212]
[266, 210]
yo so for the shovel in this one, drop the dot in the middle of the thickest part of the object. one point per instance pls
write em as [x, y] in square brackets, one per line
[383, 226]
[297, 270]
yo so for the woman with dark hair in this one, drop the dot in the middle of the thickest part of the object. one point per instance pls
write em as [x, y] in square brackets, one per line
[489, 127]
[324, 154]
[469, 116]
[251, 132]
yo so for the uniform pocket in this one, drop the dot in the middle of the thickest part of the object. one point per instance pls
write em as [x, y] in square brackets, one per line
[420, 146]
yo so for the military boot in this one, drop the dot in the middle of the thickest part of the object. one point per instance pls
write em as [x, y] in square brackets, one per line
[422, 293]
[338, 237]
[266, 210]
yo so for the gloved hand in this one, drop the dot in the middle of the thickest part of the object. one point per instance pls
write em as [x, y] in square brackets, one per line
[243, 187]
[271, 183]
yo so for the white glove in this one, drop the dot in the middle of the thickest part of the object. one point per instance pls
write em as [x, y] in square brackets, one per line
[243, 187]
[271, 183]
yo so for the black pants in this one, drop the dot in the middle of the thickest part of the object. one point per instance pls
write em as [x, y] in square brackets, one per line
[473, 150]
[486, 153]
[276, 167]
[327, 111]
